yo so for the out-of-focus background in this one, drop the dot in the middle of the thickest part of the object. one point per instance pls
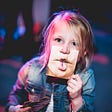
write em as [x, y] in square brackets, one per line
[21, 22]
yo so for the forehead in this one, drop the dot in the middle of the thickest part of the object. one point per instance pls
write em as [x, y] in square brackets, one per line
[64, 28]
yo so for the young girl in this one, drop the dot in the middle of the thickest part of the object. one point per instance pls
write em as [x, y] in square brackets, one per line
[59, 80]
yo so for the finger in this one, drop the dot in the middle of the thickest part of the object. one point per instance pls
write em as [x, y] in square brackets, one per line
[70, 90]
[25, 109]
[77, 78]
[72, 80]
[74, 84]
[73, 87]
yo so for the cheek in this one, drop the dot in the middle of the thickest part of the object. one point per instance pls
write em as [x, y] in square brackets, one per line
[78, 59]
[81, 55]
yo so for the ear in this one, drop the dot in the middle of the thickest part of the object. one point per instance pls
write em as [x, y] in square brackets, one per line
[85, 53]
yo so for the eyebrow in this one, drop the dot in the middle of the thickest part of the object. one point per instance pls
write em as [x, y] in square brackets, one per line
[57, 35]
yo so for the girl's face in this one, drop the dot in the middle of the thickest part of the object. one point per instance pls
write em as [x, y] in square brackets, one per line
[64, 51]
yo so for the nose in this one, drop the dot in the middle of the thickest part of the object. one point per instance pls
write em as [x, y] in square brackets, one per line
[65, 49]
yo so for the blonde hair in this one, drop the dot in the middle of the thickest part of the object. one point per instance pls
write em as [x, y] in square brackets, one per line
[85, 37]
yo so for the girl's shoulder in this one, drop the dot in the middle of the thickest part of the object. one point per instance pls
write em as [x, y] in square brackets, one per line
[88, 72]
[87, 75]
[27, 68]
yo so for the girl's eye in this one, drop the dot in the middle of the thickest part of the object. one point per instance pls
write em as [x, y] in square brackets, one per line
[74, 43]
[58, 40]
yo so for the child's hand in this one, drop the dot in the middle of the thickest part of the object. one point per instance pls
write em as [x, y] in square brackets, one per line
[74, 86]
[19, 108]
